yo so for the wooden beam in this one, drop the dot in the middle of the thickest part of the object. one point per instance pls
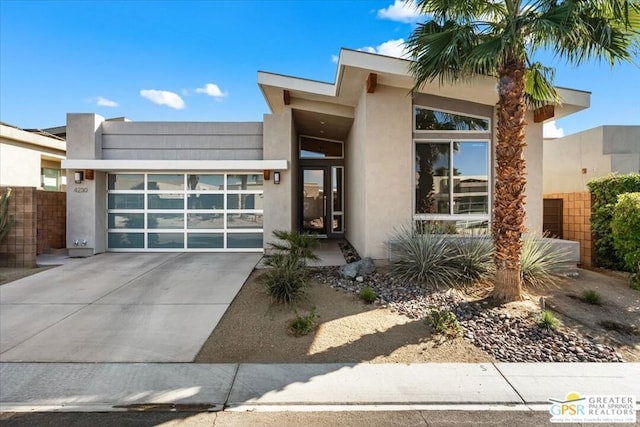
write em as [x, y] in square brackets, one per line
[372, 81]
[543, 113]
[286, 96]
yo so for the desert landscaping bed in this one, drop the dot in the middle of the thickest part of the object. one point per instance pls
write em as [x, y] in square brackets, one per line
[393, 330]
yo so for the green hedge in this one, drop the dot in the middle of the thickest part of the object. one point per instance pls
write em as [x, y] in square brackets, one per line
[604, 195]
[626, 229]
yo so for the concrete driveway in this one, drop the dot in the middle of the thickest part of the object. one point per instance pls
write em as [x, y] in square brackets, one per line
[120, 307]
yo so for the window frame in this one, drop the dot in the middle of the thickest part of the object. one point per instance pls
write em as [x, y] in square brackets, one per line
[441, 131]
[452, 216]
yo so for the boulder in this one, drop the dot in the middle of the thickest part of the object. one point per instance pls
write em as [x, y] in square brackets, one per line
[354, 269]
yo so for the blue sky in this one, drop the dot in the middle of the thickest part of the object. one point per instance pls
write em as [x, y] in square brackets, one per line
[198, 60]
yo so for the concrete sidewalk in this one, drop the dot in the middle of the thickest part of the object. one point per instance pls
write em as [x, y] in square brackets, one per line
[87, 387]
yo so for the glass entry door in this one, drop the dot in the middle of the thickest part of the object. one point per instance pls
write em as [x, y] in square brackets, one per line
[322, 197]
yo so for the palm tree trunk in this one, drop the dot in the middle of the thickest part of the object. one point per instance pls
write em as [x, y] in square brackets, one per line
[508, 211]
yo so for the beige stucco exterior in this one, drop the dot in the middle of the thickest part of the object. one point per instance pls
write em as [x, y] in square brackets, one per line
[571, 161]
[368, 111]
[23, 154]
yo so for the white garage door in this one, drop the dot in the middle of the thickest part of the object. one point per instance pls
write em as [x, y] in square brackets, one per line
[199, 212]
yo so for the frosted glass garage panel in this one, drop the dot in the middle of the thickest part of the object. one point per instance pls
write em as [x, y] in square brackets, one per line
[123, 181]
[166, 240]
[205, 241]
[125, 201]
[244, 220]
[165, 182]
[165, 201]
[206, 201]
[125, 240]
[205, 221]
[244, 182]
[163, 220]
[244, 240]
[205, 182]
[125, 220]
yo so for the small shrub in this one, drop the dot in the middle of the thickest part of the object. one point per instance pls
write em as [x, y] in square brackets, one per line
[634, 279]
[625, 228]
[541, 262]
[368, 295]
[592, 297]
[6, 220]
[604, 192]
[287, 281]
[548, 320]
[302, 325]
[422, 257]
[475, 257]
[293, 243]
[444, 322]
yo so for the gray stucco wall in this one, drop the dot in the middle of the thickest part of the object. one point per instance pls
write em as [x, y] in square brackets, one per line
[181, 141]
[571, 161]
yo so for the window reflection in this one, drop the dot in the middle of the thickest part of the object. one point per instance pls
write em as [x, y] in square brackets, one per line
[426, 119]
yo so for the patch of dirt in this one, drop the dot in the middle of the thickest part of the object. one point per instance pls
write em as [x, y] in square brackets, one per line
[254, 331]
[8, 275]
[613, 323]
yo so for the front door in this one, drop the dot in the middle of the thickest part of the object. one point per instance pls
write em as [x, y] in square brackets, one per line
[322, 200]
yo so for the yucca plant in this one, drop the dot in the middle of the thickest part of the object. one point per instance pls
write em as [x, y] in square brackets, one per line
[541, 262]
[293, 243]
[287, 281]
[422, 257]
[475, 257]
[6, 220]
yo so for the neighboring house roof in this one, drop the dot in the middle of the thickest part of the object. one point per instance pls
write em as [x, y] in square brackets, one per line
[356, 67]
[35, 138]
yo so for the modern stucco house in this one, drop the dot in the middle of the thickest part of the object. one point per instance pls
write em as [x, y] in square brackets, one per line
[31, 158]
[571, 161]
[354, 158]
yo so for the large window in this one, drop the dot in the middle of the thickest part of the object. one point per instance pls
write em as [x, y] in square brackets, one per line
[427, 119]
[452, 180]
[199, 212]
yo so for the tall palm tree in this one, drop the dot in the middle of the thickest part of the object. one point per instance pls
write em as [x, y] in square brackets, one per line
[499, 38]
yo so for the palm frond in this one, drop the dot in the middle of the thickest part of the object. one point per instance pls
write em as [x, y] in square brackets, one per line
[539, 90]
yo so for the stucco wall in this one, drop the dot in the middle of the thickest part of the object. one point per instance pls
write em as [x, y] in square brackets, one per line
[571, 161]
[279, 200]
[389, 164]
[355, 178]
[182, 140]
[533, 156]
[19, 166]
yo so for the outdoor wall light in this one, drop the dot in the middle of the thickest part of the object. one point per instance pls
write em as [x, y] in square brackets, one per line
[276, 177]
[78, 177]
[267, 174]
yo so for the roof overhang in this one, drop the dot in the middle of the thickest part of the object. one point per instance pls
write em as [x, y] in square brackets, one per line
[175, 165]
[34, 139]
[354, 68]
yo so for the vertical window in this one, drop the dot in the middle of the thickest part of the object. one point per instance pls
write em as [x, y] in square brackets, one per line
[452, 180]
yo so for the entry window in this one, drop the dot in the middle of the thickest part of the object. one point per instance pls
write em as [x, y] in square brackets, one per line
[187, 212]
[317, 148]
[452, 181]
[427, 119]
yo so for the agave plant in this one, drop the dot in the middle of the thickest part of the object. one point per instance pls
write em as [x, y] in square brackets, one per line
[542, 262]
[423, 257]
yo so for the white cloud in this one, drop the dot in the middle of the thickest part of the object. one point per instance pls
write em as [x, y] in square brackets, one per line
[551, 130]
[388, 48]
[163, 97]
[212, 89]
[335, 58]
[401, 11]
[104, 102]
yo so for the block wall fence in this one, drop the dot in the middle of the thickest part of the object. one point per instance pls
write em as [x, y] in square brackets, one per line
[39, 226]
[576, 218]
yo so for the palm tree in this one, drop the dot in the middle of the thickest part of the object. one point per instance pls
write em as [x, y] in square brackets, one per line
[499, 38]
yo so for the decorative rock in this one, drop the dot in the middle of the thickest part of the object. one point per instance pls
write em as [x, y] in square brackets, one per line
[360, 279]
[354, 269]
[508, 338]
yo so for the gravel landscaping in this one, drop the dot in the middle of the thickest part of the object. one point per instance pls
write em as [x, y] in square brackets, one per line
[508, 337]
